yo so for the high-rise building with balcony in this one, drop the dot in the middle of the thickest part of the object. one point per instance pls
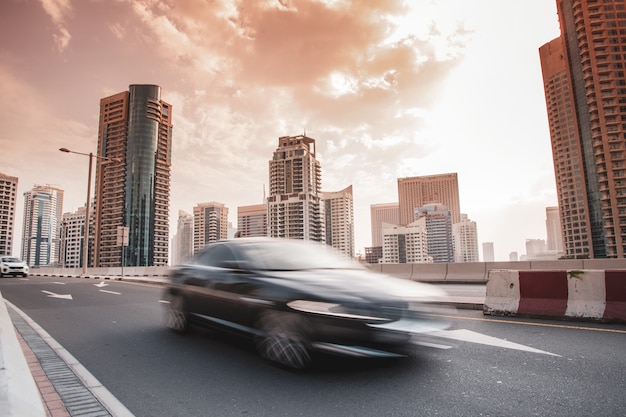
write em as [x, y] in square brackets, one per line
[8, 198]
[210, 224]
[339, 214]
[439, 231]
[41, 232]
[72, 238]
[295, 207]
[252, 220]
[584, 76]
[465, 235]
[133, 178]
[374, 254]
[405, 244]
[415, 192]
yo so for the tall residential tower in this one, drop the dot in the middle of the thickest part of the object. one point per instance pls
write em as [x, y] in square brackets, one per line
[41, 233]
[8, 197]
[584, 75]
[295, 207]
[182, 242]
[415, 192]
[339, 213]
[210, 224]
[379, 214]
[252, 220]
[133, 178]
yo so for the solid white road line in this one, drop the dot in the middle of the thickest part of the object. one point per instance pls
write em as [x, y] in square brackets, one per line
[110, 292]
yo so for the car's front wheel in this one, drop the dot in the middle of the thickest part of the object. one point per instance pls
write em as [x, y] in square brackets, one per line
[176, 315]
[283, 339]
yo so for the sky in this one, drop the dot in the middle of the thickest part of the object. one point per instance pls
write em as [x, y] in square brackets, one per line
[387, 88]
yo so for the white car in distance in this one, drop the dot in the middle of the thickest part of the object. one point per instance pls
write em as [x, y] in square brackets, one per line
[13, 266]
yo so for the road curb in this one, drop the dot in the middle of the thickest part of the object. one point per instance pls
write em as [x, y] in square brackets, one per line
[79, 390]
[19, 395]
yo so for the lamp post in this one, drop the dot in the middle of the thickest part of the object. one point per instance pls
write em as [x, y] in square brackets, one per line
[86, 234]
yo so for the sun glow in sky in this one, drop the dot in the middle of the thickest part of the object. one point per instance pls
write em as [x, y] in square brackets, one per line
[387, 88]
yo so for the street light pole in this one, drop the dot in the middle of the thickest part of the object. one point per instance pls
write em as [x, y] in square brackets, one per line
[86, 231]
[86, 236]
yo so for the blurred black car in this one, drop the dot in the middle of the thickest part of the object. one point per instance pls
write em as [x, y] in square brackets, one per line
[295, 298]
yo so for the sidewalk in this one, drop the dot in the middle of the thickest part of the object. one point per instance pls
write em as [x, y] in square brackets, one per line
[39, 378]
[52, 403]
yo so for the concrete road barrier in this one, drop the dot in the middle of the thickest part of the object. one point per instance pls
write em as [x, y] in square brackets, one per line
[583, 294]
[543, 293]
[615, 282]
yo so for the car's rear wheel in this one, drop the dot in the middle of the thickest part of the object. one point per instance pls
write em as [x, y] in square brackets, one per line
[283, 339]
[176, 315]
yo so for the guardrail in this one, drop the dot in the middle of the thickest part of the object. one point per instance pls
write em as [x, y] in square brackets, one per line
[465, 272]
[478, 272]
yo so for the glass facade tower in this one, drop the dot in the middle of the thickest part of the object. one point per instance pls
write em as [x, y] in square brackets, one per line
[133, 184]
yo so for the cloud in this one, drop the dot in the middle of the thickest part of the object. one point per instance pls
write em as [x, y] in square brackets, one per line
[59, 10]
[369, 80]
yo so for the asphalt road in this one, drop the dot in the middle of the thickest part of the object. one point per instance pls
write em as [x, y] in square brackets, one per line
[481, 366]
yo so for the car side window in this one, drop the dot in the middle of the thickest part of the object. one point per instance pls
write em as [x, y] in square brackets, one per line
[216, 255]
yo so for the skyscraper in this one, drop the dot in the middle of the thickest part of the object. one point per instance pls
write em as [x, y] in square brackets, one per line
[553, 230]
[535, 248]
[488, 252]
[295, 208]
[8, 197]
[43, 213]
[438, 231]
[183, 241]
[379, 214]
[72, 238]
[584, 80]
[252, 220]
[465, 237]
[415, 192]
[210, 224]
[136, 130]
[339, 213]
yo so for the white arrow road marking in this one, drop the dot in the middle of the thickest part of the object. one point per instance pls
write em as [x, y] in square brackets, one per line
[53, 295]
[465, 335]
[110, 292]
[101, 284]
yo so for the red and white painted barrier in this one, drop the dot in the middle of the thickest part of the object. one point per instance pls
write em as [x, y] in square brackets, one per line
[592, 294]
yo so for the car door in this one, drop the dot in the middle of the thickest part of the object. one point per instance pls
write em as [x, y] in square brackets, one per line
[210, 295]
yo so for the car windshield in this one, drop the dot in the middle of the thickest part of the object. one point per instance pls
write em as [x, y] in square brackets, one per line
[292, 255]
[10, 260]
